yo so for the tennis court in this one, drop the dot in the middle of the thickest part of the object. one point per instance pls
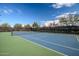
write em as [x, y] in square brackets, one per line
[64, 43]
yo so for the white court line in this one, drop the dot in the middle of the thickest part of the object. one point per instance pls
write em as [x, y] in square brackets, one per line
[44, 46]
[57, 45]
[77, 37]
[61, 45]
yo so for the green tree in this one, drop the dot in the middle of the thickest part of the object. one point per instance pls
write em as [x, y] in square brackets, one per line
[27, 27]
[5, 27]
[35, 25]
[18, 27]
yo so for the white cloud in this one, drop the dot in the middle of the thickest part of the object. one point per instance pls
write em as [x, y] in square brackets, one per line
[47, 23]
[66, 14]
[10, 11]
[7, 11]
[59, 5]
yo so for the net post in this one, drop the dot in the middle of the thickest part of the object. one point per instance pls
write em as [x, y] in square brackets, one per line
[12, 32]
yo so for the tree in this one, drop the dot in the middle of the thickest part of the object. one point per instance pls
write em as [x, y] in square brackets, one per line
[18, 27]
[73, 19]
[76, 19]
[35, 25]
[63, 21]
[27, 27]
[6, 27]
[70, 20]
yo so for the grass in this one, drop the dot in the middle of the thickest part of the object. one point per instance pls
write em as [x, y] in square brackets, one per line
[17, 46]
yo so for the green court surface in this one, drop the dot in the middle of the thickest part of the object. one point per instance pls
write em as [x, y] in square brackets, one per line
[17, 46]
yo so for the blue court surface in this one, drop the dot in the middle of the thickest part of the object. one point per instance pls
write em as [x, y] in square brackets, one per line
[64, 43]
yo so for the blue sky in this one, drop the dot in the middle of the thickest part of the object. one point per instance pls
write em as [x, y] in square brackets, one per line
[27, 13]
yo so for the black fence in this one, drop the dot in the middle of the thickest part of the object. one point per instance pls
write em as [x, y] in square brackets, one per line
[61, 29]
[58, 29]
